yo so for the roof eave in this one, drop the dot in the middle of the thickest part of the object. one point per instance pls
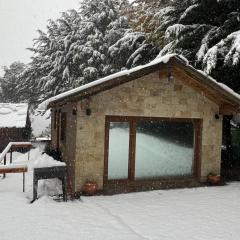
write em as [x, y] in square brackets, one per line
[208, 81]
[203, 79]
[107, 85]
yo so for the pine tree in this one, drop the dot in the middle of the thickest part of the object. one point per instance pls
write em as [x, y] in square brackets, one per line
[10, 81]
[208, 34]
[82, 46]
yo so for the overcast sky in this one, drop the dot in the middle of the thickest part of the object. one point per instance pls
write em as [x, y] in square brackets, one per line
[19, 20]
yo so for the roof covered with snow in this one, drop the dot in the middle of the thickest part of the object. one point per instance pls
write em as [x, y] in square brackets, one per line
[13, 115]
[134, 73]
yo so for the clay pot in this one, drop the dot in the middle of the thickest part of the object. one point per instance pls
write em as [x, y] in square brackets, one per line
[90, 188]
[214, 179]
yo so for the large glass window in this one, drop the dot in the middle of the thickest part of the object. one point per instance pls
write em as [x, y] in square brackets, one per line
[148, 148]
[118, 152]
[163, 149]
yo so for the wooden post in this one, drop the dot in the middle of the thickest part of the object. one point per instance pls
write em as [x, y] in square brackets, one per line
[11, 155]
[35, 187]
[23, 181]
[5, 161]
[64, 188]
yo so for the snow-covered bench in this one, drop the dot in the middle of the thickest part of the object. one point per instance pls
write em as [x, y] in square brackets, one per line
[15, 168]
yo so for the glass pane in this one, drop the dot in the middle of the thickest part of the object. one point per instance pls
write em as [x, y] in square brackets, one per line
[118, 150]
[164, 149]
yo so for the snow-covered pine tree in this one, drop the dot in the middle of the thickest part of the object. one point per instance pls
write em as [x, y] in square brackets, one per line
[208, 34]
[10, 81]
[82, 46]
[153, 17]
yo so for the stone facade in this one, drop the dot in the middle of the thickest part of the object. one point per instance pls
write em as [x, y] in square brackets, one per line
[68, 145]
[148, 96]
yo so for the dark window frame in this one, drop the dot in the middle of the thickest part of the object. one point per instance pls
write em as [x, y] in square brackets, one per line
[55, 119]
[197, 124]
[63, 127]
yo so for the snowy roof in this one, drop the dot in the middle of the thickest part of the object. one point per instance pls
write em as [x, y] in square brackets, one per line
[134, 73]
[13, 115]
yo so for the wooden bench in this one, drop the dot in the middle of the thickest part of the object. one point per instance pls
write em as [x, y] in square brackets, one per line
[11, 168]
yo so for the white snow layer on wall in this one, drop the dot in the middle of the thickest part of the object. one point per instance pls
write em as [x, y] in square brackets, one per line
[13, 115]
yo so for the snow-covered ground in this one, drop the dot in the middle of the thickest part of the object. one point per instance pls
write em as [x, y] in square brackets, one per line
[207, 213]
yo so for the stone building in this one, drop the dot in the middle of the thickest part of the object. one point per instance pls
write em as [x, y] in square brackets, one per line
[154, 126]
[15, 125]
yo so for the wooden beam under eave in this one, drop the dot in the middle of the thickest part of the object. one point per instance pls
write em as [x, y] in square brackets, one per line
[227, 109]
[193, 83]
[212, 86]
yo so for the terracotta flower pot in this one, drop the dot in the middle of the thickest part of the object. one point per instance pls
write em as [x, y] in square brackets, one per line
[214, 179]
[90, 188]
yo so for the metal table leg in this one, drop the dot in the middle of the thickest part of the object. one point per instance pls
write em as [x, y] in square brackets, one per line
[23, 181]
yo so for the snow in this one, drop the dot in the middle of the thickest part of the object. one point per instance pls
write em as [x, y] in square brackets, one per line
[208, 213]
[40, 122]
[66, 73]
[159, 59]
[221, 85]
[204, 45]
[174, 30]
[228, 47]
[164, 59]
[8, 147]
[44, 160]
[13, 115]
[211, 59]
[162, 12]
[42, 139]
[187, 11]
[38, 159]
[234, 52]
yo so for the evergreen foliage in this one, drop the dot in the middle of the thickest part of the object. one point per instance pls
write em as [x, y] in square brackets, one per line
[106, 36]
[205, 32]
[10, 81]
[82, 46]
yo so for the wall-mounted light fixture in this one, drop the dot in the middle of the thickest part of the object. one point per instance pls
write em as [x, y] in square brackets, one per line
[74, 111]
[88, 111]
[217, 116]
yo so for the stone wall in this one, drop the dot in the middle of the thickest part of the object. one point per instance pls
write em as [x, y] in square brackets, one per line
[67, 146]
[149, 96]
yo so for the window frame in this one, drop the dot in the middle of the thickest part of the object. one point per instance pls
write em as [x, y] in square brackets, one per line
[63, 126]
[197, 126]
[55, 119]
